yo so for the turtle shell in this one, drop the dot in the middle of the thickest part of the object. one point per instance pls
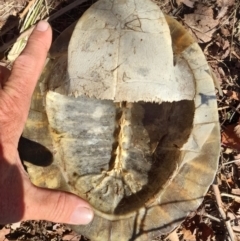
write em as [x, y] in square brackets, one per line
[125, 117]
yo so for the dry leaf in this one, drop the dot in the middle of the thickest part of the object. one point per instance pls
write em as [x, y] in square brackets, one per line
[202, 22]
[224, 4]
[15, 225]
[189, 3]
[187, 235]
[237, 30]
[4, 231]
[219, 48]
[71, 236]
[235, 224]
[233, 95]
[173, 236]
[235, 191]
[237, 130]
[230, 181]
[204, 232]
[229, 137]
[225, 31]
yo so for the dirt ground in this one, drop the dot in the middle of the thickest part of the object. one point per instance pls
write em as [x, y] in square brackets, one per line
[215, 25]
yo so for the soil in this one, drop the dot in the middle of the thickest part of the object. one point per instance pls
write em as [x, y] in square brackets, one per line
[215, 25]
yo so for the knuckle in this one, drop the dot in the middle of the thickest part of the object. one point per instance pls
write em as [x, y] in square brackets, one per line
[23, 74]
[8, 109]
[11, 120]
[24, 63]
[38, 44]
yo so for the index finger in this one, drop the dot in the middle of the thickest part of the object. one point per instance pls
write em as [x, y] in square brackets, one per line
[28, 66]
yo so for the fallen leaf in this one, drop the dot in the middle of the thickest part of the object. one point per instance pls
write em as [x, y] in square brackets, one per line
[225, 31]
[188, 3]
[219, 48]
[173, 236]
[235, 191]
[229, 137]
[187, 235]
[233, 95]
[235, 222]
[202, 22]
[224, 5]
[71, 236]
[237, 30]
[237, 130]
[3, 232]
[204, 232]
[15, 225]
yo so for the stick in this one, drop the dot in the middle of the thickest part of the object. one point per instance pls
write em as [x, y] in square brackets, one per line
[21, 15]
[222, 212]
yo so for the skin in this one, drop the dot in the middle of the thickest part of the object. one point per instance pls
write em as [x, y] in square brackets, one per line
[19, 199]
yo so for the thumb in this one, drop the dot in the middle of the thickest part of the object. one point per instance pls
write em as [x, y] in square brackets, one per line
[56, 206]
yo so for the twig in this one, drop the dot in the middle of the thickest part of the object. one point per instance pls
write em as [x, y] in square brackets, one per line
[223, 108]
[22, 15]
[235, 54]
[230, 195]
[230, 230]
[233, 108]
[219, 200]
[50, 18]
[209, 216]
[219, 61]
[230, 162]
[231, 44]
[222, 212]
[46, 5]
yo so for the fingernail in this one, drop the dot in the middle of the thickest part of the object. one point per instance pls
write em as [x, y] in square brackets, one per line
[42, 26]
[81, 215]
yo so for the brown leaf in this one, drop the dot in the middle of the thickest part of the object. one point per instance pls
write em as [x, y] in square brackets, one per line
[202, 22]
[192, 223]
[237, 130]
[235, 191]
[189, 3]
[235, 223]
[234, 207]
[173, 236]
[233, 95]
[71, 236]
[237, 30]
[219, 48]
[225, 31]
[187, 235]
[4, 231]
[204, 232]
[229, 138]
[224, 4]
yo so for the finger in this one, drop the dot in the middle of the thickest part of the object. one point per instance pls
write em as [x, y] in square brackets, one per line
[56, 206]
[28, 66]
[4, 75]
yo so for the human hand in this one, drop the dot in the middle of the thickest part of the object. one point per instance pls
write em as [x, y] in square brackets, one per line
[19, 198]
